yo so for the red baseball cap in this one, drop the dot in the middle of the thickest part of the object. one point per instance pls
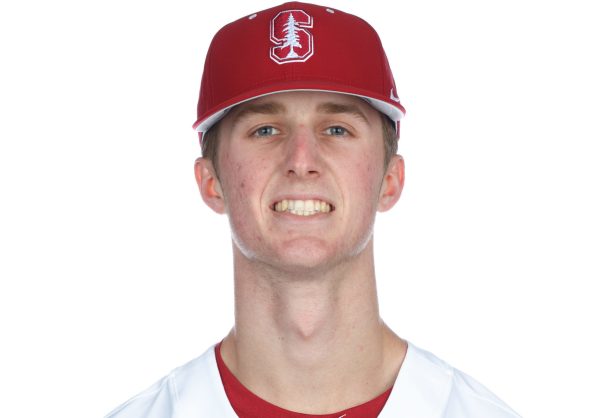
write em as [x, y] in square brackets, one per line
[295, 47]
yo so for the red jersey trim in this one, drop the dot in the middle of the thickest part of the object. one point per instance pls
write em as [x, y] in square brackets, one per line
[247, 405]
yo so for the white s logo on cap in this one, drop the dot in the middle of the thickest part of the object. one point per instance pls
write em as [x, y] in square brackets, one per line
[293, 42]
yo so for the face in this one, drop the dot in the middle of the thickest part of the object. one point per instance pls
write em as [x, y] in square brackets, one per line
[301, 178]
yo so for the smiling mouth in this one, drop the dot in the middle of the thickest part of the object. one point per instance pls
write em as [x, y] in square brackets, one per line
[303, 207]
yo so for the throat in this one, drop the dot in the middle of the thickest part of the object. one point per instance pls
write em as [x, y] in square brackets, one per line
[308, 321]
[314, 328]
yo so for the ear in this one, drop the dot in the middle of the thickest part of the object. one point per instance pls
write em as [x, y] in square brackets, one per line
[392, 185]
[209, 185]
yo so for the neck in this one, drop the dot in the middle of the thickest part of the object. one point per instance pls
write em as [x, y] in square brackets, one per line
[311, 343]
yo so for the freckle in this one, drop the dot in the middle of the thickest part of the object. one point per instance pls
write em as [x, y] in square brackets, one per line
[242, 184]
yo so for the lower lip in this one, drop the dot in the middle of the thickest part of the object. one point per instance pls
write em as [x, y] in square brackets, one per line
[289, 215]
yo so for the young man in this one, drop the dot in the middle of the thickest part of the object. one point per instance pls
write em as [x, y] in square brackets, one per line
[298, 118]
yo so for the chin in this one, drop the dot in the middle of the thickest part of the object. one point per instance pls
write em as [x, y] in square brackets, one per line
[305, 253]
[313, 259]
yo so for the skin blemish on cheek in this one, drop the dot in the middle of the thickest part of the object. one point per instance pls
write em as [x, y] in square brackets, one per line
[242, 184]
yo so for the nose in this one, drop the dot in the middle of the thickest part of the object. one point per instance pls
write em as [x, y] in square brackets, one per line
[302, 155]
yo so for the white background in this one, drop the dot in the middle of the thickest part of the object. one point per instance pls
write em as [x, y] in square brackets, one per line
[113, 272]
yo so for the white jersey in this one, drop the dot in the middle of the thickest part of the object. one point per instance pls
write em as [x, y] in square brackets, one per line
[426, 387]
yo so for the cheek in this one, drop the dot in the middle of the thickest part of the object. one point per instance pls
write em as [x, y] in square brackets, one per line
[242, 180]
[368, 177]
[238, 183]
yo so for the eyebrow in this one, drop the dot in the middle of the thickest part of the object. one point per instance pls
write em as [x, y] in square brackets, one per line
[274, 108]
[268, 108]
[333, 108]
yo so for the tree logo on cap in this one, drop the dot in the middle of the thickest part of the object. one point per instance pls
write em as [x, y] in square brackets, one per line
[293, 42]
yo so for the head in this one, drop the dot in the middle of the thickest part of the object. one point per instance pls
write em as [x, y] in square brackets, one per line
[327, 113]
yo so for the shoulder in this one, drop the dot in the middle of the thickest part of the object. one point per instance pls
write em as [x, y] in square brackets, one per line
[469, 398]
[193, 389]
[156, 401]
[429, 387]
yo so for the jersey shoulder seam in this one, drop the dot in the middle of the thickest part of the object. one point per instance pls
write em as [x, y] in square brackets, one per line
[486, 399]
[144, 394]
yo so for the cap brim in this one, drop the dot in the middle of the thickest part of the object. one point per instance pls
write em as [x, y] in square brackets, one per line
[395, 113]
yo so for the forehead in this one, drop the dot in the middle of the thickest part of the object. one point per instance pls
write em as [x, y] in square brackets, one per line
[311, 101]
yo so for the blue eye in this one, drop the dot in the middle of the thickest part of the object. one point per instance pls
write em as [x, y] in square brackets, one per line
[266, 131]
[336, 131]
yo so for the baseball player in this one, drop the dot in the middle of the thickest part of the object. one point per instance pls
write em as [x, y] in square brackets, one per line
[299, 151]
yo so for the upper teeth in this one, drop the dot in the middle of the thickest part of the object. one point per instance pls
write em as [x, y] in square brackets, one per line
[302, 207]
